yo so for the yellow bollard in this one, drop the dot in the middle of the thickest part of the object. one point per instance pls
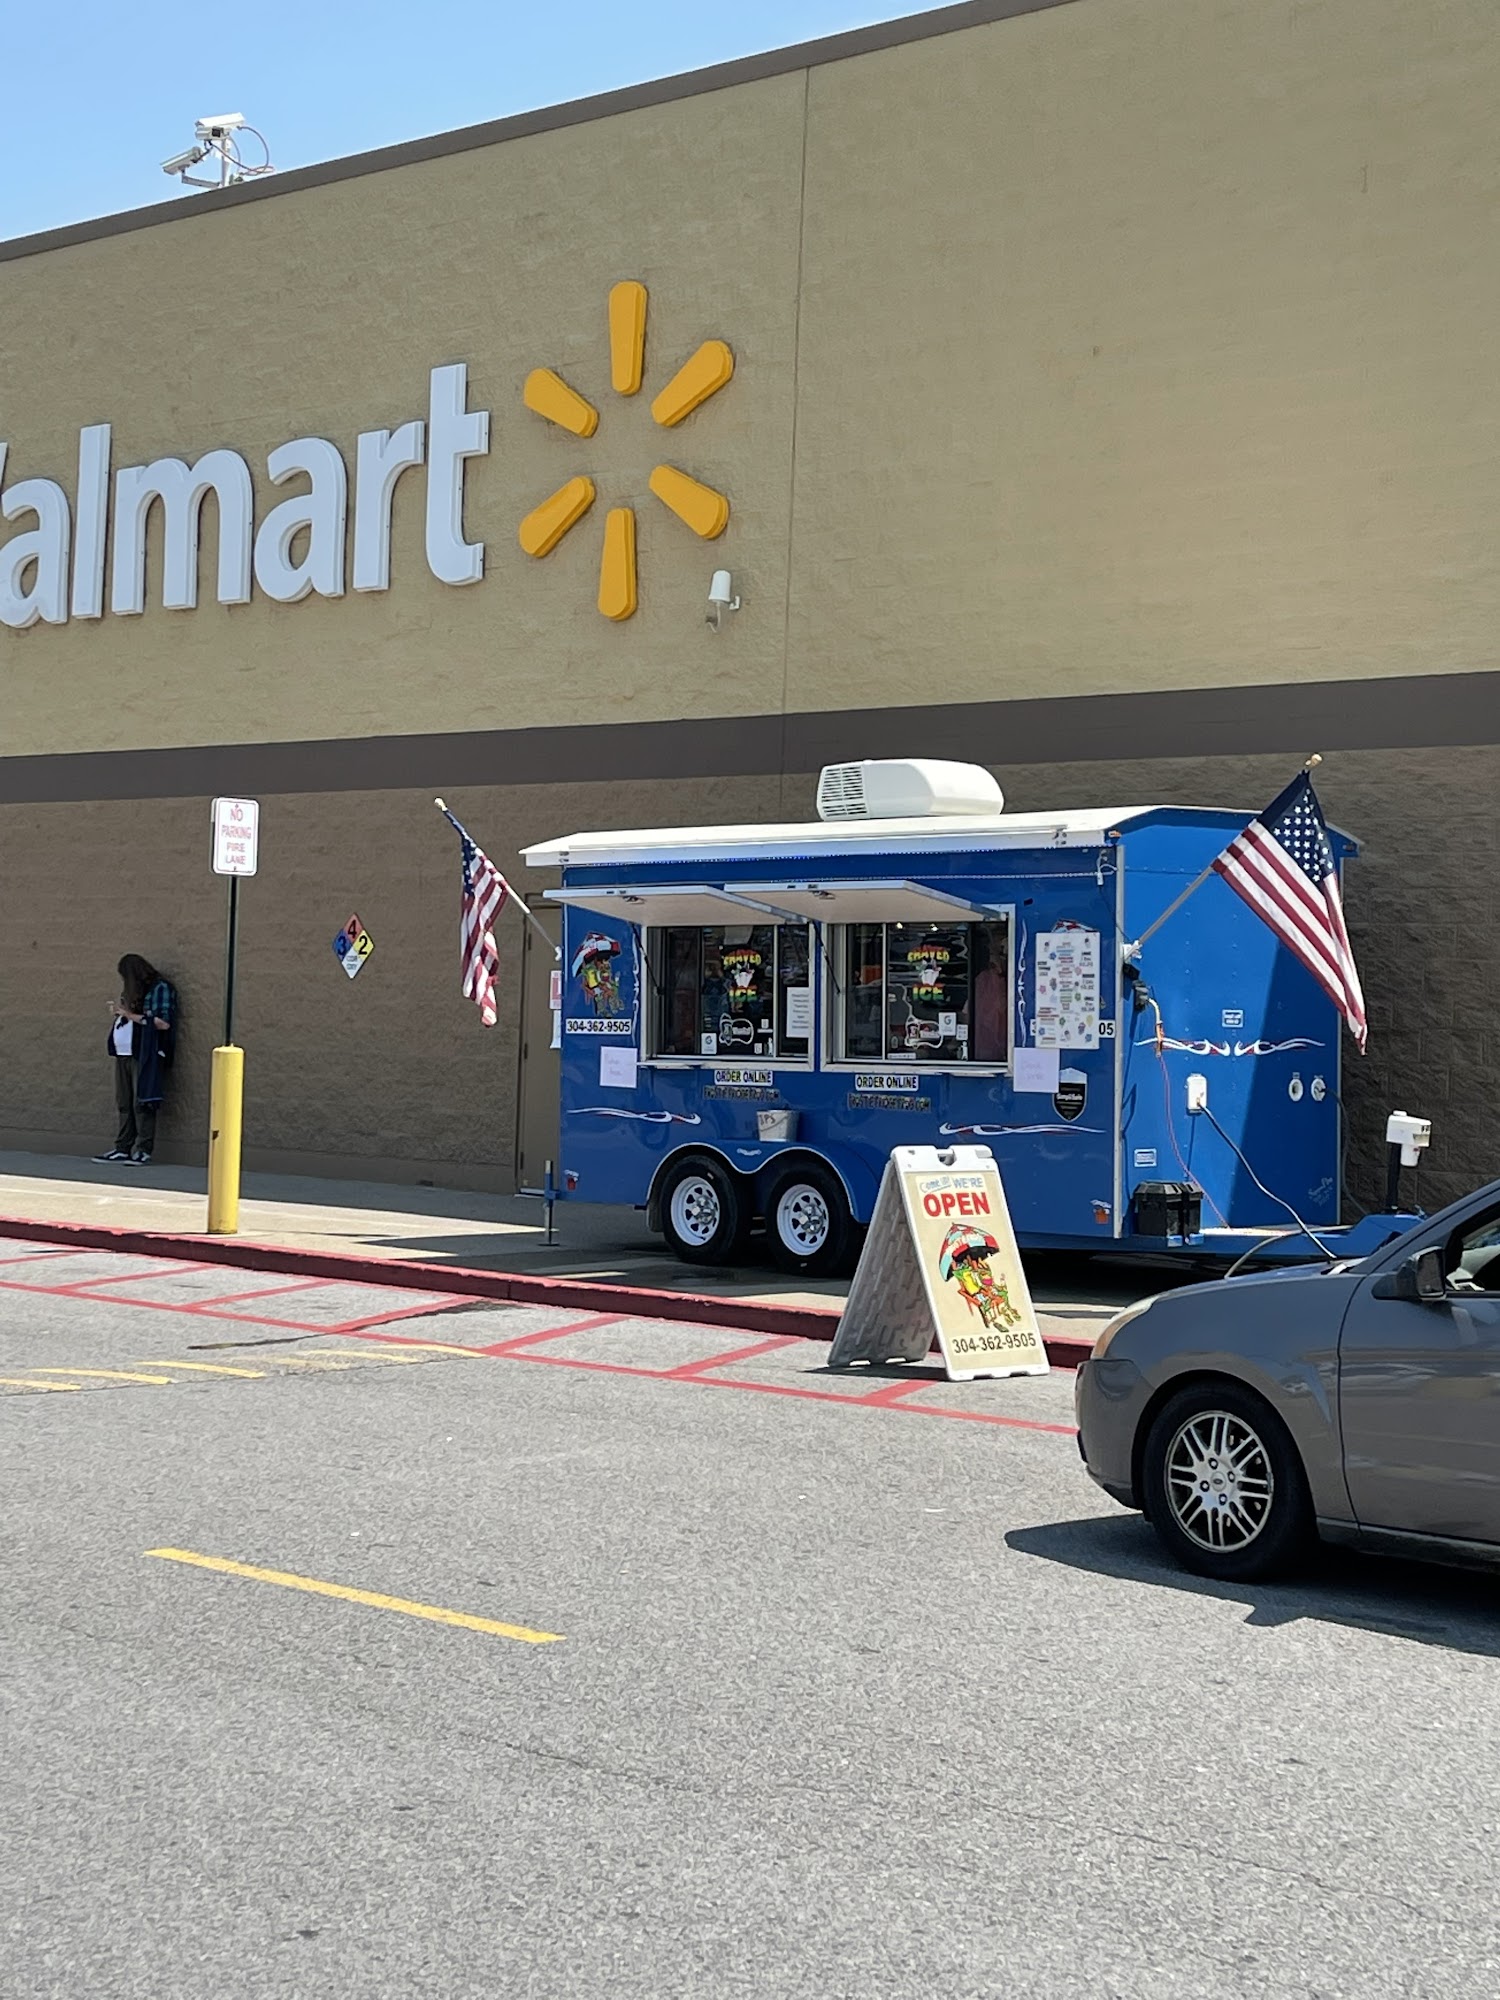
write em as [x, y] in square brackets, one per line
[226, 1100]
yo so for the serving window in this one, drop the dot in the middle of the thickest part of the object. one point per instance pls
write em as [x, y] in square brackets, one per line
[735, 990]
[926, 992]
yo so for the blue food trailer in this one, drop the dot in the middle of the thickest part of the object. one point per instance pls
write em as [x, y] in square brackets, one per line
[755, 1016]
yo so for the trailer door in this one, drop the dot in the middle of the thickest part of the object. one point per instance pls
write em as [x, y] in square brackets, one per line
[539, 1083]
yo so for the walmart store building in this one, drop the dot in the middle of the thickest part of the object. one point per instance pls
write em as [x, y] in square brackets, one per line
[1102, 390]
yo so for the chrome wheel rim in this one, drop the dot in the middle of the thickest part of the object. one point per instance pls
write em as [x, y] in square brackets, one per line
[1220, 1485]
[695, 1209]
[802, 1220]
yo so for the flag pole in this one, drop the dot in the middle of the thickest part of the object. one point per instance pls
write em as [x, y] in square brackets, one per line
[1171, 910]
[1197, 883]
[519, 901]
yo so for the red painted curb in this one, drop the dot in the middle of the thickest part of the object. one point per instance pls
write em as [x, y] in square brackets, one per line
[641, 1301]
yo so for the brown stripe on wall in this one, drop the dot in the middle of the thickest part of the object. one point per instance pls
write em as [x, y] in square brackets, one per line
[1417, 712]
[550, 118]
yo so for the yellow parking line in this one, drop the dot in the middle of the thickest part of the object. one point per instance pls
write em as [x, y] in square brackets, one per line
[16, 1382]
[419, 1347]
[207, 1368]
[332, 1358]
[343, 1590]
[108, 1375]
[345, 1355]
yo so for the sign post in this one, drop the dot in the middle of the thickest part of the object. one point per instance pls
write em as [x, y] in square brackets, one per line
[941, 1259]
[236, 852]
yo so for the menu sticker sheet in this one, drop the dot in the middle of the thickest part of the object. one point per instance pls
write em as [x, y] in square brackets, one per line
[1067, 990]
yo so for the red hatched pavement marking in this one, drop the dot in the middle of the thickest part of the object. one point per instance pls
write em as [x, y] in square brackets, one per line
[894, 1391]
[442, 1303]
[261, 1292]
[82, 1288]
[691, 1368]
[79, 1287]
[499, 1349]
[897, 1396]
[897, 1409]
[525, 1346]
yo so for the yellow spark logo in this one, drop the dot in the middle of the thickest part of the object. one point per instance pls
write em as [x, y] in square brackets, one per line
[700, 507]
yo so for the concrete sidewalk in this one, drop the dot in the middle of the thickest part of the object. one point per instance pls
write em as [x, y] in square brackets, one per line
[493, 1233]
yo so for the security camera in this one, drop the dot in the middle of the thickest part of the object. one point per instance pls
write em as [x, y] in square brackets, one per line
[721, 597]
[215, 128]
[180, 162]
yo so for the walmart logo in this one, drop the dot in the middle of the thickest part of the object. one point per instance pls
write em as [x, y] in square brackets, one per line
[700, 507]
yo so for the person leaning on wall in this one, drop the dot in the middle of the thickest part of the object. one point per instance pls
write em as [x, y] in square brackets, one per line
[141, 1044]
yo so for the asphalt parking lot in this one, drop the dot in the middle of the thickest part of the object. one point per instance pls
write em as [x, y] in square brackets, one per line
[358, 1642]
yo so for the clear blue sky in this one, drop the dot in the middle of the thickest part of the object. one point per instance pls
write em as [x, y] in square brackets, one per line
[99, 93]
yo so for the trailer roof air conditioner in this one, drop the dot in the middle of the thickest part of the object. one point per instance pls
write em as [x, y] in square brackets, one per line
[908, 788]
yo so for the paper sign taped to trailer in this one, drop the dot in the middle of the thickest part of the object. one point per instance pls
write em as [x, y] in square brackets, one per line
[940, 1260]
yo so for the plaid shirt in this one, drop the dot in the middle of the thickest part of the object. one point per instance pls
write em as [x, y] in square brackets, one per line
[160, 1003]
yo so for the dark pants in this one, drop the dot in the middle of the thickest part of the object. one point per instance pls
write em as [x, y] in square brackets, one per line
[137, 1131]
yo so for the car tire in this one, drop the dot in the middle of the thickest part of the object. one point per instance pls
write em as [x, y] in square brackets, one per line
[705, 1211]
[809, 1227]
[1224, 1486]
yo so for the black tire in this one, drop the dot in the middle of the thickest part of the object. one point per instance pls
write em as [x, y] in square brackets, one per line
[705, 1210]
[809, 1228]
[1231, 1504]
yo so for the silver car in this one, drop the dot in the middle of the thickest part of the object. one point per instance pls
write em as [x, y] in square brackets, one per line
[1357, 1403]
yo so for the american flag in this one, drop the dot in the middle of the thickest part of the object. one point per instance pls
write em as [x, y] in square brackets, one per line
[1283, 866]
[485, 890]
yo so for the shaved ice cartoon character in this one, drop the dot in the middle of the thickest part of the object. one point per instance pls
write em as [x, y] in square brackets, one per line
[594, 969]
[965, 1260]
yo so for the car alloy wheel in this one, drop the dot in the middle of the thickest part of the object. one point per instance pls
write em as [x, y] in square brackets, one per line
[1223, 1483]
[1220, 1482]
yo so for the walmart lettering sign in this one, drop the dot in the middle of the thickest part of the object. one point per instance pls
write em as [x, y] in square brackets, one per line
[59, 562]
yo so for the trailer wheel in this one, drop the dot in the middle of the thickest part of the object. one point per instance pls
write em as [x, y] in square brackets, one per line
[705, 1213]
[808, 1224]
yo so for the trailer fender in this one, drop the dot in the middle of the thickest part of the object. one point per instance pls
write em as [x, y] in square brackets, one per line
[698, 1149]
[860, 1186]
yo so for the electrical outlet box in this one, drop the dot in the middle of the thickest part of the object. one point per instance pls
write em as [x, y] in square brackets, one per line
[1412, 1135]
[1197, 1093]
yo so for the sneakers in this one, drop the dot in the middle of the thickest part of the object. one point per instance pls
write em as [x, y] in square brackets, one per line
[107, 1159]
[140, 1159]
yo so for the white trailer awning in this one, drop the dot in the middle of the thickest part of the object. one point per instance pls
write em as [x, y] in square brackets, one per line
[691, 903]
[864, 902]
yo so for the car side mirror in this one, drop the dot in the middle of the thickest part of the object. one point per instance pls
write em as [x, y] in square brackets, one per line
[1421, 1280]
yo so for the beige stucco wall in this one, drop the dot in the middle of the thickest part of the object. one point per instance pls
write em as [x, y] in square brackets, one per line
[1148, 343]
[1136, 343]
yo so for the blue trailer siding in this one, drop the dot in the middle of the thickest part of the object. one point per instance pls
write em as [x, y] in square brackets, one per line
[1244, 1012]
[1239, 1010]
